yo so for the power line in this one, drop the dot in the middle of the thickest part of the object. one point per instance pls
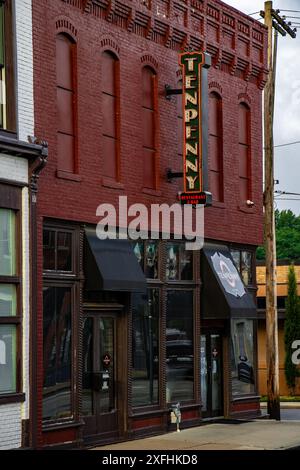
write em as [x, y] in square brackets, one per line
[286, 193]
[255, 13]
[287, 145]
[287, 199]
[290, 11]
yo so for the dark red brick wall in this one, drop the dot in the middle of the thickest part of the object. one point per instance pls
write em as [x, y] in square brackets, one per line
[139, 36]
[235, 75]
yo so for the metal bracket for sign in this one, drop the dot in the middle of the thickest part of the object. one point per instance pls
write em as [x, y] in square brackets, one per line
[169, 92]
[173, 174]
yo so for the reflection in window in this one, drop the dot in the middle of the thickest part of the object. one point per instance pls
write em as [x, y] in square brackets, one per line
[179, 346]
[246, 267]
[145, 348]
[7, 242]
[57, 334]
[179, 265]
[87, 381]
[243, 262]
[242, 357]
[8, 300]
[146, 253]
[8, 360]
[57, 250]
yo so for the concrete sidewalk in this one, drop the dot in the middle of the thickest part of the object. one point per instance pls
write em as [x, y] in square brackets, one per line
[253, 435]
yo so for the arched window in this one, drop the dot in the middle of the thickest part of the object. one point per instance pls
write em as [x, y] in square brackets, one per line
[110, 115]
[66, 103]
[215, 147]
[149, 126]
[244, 152]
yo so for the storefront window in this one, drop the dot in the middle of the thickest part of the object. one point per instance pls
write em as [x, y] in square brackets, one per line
[242, 357]
[179, 265]
[57, 341]
[243, 262]
[145, 348]
[179, 346]
[147, 256]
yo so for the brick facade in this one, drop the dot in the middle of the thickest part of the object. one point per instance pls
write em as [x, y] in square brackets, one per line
[238, 74]
[144, 33]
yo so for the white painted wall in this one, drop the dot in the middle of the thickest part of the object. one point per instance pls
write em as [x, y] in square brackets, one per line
[23, 12]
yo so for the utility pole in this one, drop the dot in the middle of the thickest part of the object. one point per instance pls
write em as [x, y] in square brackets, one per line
[275, 23]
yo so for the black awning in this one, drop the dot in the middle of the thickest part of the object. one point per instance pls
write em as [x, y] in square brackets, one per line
[224, 294]
[112, 265]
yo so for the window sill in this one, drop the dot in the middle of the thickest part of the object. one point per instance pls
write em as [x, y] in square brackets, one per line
[12, 398]
[152, 192]
[5, 133]
[219, 205]
[112, 184]
[245, 398]
[68, 176]
[55, 426]
[246, 209]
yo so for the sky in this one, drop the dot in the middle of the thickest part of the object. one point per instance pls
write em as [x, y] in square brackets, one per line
[287, 109]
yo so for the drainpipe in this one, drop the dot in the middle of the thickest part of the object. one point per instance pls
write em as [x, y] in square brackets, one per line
[36, 169]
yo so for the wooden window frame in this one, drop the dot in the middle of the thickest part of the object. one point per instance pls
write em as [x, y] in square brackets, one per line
[155, 149]
[179, 281]
[248, 146]
[60, 173]
[214, 95]
[16, 320]
[52, 278]
[108, 180]
[7, 73]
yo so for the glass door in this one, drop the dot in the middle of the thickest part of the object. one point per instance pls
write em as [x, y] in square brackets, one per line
[99, 404]
[211, 374]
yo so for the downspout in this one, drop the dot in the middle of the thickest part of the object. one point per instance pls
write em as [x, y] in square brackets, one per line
[36, 170]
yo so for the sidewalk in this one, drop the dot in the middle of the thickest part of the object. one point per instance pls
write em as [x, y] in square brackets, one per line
[253, 435]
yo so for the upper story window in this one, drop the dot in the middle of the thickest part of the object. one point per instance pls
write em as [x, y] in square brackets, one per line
[66, 104]
[215, 147]
[149, 126]
[10, 292]
[111, 116]
[7, 75]
[244, 152]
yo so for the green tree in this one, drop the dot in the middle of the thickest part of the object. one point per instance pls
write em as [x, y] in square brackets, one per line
[287, 236]
[291, 328]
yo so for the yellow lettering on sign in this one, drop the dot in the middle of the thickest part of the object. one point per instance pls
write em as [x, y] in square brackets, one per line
[191, 166]
[188, 132]
[191, 99]
[190, 61]
[188, 81]
[190, 114]
[191, 149]
[192, 181]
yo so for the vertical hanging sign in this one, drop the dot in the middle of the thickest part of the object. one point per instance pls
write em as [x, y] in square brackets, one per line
[193, 121]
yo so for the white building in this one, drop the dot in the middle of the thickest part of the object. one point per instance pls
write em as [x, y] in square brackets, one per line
[20, 161]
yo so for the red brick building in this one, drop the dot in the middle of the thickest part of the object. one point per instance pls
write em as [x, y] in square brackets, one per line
[112, 361]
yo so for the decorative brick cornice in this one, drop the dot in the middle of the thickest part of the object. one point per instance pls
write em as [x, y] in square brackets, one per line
[192, 24]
